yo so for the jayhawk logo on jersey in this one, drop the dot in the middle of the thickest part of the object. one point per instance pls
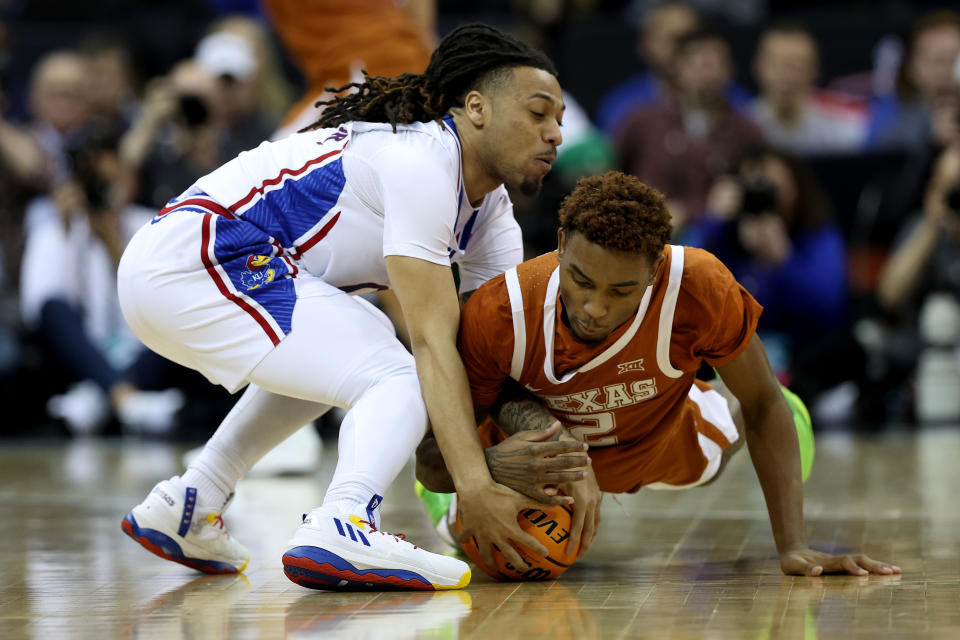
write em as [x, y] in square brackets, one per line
[255, 275]
[257, 261]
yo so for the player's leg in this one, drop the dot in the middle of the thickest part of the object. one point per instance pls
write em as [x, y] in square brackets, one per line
[736, 414]
[181, 519]
[354, 360]
[801, 420]
[177, 306]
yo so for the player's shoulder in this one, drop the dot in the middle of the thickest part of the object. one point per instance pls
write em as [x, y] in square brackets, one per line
[700, 263]
[532, 277]
[411, 152]
[533, 281]
[703, 272]
[536, 272]
[420, 138]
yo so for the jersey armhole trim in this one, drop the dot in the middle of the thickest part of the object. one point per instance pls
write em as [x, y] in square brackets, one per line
[519, 326]
[666, 313]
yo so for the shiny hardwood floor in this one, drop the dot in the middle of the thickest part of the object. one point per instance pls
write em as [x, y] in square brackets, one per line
[696, 564]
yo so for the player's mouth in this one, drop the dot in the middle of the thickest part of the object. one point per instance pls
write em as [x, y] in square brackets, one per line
[545, 161]
[588, 332]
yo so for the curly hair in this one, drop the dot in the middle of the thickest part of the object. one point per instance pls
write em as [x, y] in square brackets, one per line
[617, 211]
[466, 58]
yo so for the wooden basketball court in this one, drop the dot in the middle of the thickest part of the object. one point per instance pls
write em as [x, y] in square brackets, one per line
[695, 564]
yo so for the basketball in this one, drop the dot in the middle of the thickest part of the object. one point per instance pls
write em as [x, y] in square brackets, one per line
[551, 527]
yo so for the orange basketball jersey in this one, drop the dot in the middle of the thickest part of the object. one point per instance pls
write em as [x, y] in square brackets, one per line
[633, 398]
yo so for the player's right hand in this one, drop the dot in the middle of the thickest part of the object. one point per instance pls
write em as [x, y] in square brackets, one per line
[528, 461]
[489, 515]
[586, 511]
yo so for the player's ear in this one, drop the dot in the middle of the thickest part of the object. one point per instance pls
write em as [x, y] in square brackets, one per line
[657, 264]
[561, 240]
[476, 108]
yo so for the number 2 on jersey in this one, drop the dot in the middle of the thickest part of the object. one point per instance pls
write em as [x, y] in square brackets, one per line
[595, 425]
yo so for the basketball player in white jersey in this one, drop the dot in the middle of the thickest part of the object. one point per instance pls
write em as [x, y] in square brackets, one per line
[246, 277]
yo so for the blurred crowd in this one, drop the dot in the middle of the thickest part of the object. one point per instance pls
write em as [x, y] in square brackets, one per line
[813, 147]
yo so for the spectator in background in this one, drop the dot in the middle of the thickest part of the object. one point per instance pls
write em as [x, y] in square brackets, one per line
[792, 113]
[22, 173]
[924, 108]
[199, 116]
[60, 107]
[919, 288]
[232, 61]
[656, 44]
[771, 225]
[202, 114]
[111, 79]
[68, 296]
[682, 145]
[927, 256]
[176, 135]
[274, 94]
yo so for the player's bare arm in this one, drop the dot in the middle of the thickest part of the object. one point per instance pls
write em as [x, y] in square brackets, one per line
[432, 312]
[528, 462]
[772, 442]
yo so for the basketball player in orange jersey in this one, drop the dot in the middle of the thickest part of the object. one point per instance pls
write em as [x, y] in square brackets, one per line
[607, 334]
[331, 41]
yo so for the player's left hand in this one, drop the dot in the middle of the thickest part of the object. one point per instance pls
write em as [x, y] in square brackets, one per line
[529, 462]
[807, 562]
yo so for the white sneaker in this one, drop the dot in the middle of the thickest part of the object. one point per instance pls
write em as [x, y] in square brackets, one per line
[334, 550]
[85, 408]
[174, 525]
[150, 412]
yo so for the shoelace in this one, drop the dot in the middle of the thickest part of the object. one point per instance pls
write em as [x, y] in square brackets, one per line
[402, 537]
[215, 519]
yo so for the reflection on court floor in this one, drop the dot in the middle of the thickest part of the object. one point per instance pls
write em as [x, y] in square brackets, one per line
[665, 565]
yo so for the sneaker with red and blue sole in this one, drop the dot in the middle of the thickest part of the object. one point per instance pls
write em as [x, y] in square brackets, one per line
[173, 525]
[347, 551]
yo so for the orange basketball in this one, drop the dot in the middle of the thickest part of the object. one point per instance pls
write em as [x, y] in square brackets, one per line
[551, 527]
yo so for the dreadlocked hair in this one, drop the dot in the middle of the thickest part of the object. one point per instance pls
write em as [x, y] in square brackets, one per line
[466, 58]
[617, 211]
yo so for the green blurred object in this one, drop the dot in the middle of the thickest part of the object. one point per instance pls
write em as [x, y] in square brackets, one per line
[801, 419]
[592, 154]
[436, 504]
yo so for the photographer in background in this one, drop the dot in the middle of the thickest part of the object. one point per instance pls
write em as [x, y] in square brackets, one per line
[197, 117]
[176, 136]
[771, 225]
[920, 287]
[68, 297]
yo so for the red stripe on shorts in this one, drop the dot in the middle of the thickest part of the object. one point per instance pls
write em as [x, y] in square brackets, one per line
[208, 221]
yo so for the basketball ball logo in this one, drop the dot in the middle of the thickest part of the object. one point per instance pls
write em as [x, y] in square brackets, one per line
[551, 528]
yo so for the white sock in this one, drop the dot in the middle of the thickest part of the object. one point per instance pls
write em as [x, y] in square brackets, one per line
[214, 474]
[257, 423]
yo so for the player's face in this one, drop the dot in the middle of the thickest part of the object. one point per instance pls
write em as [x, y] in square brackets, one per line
[524, 131]
[601, 288]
